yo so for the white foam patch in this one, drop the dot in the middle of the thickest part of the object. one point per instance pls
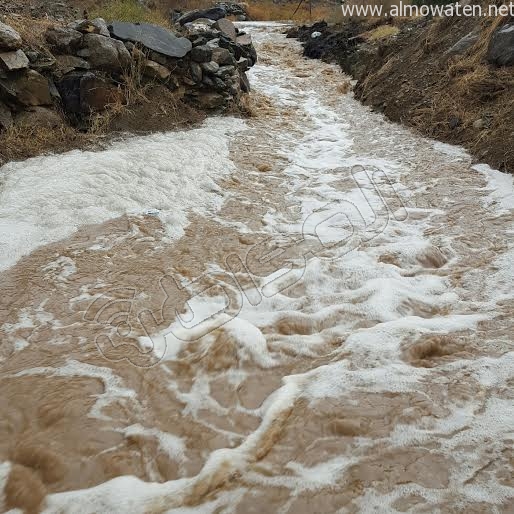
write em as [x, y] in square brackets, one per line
[500, 184]
[46, 199]
[5, 469]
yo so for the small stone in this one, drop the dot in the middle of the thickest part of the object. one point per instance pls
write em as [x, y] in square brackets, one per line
[244, 83]
[454, 122]
[96, 26]
[201, 53]
[208, 81]
[243, 64]
[196, 72]
[15, 60]
[213, 43]
[244, 40]
[222, 56]
[480, 124]
[9, 38]
[225, 71]
[155, 70]
[32, 55]
[199, 41]
[210, 67]
[227, 28]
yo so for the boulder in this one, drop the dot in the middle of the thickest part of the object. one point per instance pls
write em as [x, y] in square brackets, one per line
[222, 56]
[244, 40]
[96, 26]
[210, 100]
[155, 70]
[201, 53]
[64, 39]
[5, 117]
[97, 93]
[84, 92]
[227, 28]
[28, 88]
[153, 37]
[196, 72]
[9, 38]
[14, 60]
[40, 117]
[215, 13]
[106, 53]
[463, 44]
[501, 47]
[210, 67]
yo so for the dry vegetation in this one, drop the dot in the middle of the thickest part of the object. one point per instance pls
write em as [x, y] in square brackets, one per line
[460, 99]
[131, 11]
[268, 10]
[23, 140]
[260, 10]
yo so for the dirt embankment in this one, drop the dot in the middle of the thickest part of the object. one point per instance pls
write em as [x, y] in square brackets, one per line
[438, 76]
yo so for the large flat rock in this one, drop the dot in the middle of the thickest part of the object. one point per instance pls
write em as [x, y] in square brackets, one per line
[14, 60]
[153, 37]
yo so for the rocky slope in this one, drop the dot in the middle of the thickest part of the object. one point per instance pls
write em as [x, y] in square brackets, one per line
[451, 79]
[89, 73]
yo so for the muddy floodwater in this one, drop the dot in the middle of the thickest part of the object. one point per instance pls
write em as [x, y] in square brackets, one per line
[307, 311]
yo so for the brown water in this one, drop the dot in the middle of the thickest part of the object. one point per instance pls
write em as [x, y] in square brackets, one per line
[346, 346]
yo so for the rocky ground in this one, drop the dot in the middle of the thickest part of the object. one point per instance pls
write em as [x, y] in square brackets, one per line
[61, 79]
[449, 78]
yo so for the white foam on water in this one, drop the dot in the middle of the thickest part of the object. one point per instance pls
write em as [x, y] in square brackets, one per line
[362, 307]
[46, 199]
[501, 185]
[5, 469]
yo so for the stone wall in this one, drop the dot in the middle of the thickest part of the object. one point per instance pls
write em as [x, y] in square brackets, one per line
[88, 65]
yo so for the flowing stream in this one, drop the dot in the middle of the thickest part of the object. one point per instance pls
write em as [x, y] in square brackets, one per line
[308, 311]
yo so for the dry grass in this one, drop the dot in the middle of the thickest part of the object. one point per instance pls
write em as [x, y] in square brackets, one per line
[382, 32]
[267, 10]
[31, 30]
[24, 141]
[131, 11]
